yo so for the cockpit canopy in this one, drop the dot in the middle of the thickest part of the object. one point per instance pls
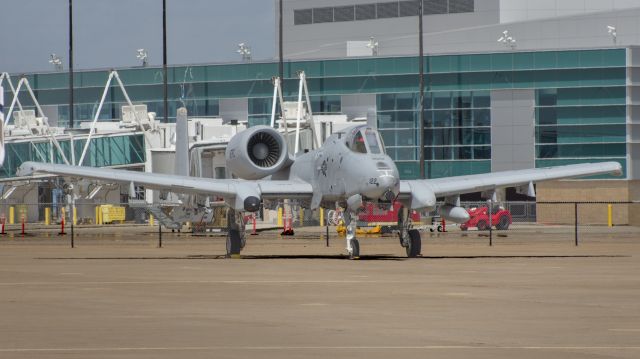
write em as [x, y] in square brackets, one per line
[365, 140]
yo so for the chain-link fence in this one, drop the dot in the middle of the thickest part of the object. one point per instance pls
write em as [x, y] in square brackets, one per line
[494, 222]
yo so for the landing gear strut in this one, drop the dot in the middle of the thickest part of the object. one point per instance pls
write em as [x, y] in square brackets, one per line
[353, 246]
[235, 233]
[409, 238]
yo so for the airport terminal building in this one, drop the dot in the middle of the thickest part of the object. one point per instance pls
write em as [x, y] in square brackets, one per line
[509, 84]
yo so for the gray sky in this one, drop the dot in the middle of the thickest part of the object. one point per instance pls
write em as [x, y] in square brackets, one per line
[108, 32]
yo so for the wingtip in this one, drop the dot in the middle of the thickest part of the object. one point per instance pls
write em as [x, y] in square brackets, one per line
[616, 169]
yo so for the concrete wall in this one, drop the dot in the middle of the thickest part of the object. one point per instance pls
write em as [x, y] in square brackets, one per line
[329, 40]
[512, 129]
[470, 32]
[523, 10]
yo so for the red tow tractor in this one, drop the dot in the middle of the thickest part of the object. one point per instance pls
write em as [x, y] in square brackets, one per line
[500, 218]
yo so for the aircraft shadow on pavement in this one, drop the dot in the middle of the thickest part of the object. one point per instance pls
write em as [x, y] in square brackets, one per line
[381, 257]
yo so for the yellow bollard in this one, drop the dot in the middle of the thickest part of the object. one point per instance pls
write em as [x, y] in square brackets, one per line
[280, 223]
[75, 216]
[321, 216]
[151, 220]
[12, 215]
[97, 210]
[47, 216]
[610, 215]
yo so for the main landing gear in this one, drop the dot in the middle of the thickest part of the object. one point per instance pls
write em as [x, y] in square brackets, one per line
[353, 246]
[409, 238]
[235, 233]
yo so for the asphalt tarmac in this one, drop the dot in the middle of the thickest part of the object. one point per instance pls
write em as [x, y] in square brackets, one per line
[116, 295]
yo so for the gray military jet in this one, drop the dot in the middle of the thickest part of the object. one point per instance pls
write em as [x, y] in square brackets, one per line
[351, 167]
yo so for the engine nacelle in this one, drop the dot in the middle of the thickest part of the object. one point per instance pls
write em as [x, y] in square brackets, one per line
[257, 152]
[454, 214]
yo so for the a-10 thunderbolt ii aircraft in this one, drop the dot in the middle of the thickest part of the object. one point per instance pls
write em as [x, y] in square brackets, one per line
[349, 168]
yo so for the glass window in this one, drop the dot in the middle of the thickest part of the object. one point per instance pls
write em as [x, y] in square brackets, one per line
[481, 136]
[442, 118]
[406, 101]
[442, 136]
[547, 116]
[366, 12]
[545, 60]
[357, 144]
[547, 97]
[482, 152]
[324, 14]
[344, 13]
[387, 10]
[523, 61]
[482, 117]
[372, 141]
[409, 8]
[462, 153]
[442, 153]
[220, 172]
[481, 99]
[432, 7]
[442, 100]
[458, 6]
[386, 101]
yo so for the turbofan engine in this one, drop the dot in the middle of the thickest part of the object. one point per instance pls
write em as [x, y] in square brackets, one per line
[256, 153]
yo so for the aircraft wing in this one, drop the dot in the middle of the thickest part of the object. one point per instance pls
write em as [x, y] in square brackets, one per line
[419, 190]
[234, 191]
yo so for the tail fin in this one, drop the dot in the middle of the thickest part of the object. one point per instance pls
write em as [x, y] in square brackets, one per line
[1, 125]
[182, 143]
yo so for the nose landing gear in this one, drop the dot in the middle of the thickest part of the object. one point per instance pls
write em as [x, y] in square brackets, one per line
[409, 237]
[353, 246]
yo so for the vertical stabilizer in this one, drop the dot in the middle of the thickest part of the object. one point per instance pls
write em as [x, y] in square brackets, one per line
[1, 125]
[182, 143]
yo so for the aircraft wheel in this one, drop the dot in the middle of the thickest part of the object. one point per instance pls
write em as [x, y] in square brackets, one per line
[355, 249]
[234, 243]
[483, 226]
[503, 223]
[415, 244]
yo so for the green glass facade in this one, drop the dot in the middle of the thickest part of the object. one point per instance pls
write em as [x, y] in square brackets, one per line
[103, 151]
[580, 100]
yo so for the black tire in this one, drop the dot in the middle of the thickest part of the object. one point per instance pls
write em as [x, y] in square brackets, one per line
[483, 226]
[355, 249]
[234, 243]
[463, 228]
[415, 244]
[503, 223]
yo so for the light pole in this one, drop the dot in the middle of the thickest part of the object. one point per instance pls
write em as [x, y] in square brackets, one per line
[56, 62]
[143, 56]
[245, 51]
[507, 40]
[373, 46]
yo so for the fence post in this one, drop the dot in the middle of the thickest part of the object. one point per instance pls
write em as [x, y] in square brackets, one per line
[575, 214]
[159, 234]
[490, 213]
[326, 223]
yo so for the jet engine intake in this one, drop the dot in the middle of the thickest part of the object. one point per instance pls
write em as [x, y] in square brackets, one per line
[256, 153]
[453, 213]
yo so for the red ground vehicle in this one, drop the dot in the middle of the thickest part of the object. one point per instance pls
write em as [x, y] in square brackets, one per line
[373, 214]
[500, 218]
